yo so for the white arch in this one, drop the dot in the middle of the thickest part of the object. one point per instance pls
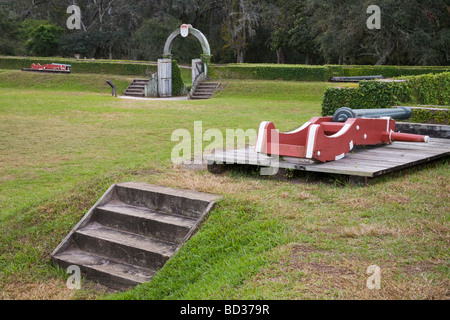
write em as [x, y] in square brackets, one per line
[195, 32]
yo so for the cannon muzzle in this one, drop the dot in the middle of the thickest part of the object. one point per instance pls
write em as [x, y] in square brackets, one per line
[400, 113]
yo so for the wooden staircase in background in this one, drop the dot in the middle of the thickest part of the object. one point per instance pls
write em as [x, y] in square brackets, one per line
[205, 90]
[136, 88]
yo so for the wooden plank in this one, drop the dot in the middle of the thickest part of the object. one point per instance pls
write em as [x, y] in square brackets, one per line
[405, 146]
[414, 146]
[363, 162]
[398, 158]
[409, 150]
[378, 168]
[393, 152]
[233, 157]
[379, 155]
[360, 166]
[340, 168]
[355, 164]
[432, 141]
[404, 166]
[403, 157]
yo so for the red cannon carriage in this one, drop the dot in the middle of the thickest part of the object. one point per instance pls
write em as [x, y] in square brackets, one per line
[55, 67]
[323, 140]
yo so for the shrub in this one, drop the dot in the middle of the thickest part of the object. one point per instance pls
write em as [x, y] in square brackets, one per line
[44, 40]
[335, 98]
[425, 89]
[178, 87]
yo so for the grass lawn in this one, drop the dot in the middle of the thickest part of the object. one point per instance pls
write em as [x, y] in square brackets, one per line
[64, 140]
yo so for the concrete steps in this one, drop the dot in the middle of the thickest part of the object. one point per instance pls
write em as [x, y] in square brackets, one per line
[131, 232]
[144, 221]
[114, 274]
[136, 88]
[205, 90]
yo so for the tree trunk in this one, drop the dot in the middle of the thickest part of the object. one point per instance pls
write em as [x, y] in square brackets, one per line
[211, 23]
[240, 56]
[387, 54]
[308, 58]
[281, 56]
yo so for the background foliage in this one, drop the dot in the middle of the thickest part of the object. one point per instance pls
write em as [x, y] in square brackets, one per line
[413, 32]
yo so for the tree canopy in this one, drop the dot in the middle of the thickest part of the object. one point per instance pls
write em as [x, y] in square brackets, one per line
[415, 32]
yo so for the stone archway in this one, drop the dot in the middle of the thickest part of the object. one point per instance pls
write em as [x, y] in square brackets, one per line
[195, 32]
[199, 66]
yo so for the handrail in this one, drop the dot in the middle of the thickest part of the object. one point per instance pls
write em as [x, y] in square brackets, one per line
[114, 88]
[198, 79]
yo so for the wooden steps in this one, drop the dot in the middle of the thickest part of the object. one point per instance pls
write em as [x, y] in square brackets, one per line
[136, 88]
[131, 232]
[205, 90]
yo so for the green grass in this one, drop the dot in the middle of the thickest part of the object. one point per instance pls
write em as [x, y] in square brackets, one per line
[75, 82]
[62, 147]
[231, 247]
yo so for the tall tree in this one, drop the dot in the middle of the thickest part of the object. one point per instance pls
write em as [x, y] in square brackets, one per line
[10, 38]
[242, 16]
[44, 40]
[299, 31]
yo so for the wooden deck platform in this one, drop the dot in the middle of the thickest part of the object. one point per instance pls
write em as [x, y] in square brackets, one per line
[360, 165]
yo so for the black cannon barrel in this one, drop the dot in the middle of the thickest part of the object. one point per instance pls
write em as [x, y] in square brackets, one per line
[399, 113]
[355, 79]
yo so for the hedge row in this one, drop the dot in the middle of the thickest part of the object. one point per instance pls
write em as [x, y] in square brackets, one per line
[425, 115]
[314, 73]
[369, 94]
[429, 89]
[269, 72]
[385, 71]
[229, 71]
[118, 67]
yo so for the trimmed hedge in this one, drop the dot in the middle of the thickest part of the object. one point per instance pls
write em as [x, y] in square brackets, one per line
[369, 94]
[385, 71]
[430, 89]
[296, 72]
[424, 115]
[299, 72]
[269, 72]
[118, 67]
